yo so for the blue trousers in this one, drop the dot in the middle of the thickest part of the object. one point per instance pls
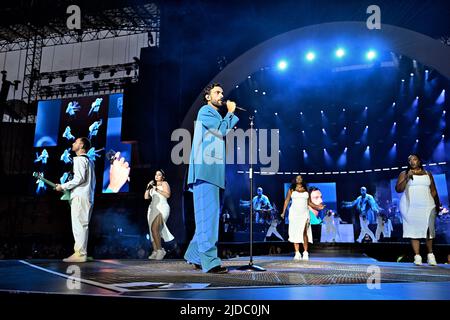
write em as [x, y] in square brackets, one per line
[203, 246]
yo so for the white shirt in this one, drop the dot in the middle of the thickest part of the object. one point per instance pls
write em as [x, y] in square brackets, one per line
[83, 182]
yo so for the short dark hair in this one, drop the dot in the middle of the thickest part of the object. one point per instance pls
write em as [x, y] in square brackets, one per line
[313, 188]
[207, 90]
[86, 143]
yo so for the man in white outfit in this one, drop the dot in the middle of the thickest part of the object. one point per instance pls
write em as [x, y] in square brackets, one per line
[384, 226]
[82, 188]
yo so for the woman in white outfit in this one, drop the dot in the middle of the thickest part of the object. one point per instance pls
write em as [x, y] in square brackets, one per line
[299, 218]
[158, 213]
[419, 205]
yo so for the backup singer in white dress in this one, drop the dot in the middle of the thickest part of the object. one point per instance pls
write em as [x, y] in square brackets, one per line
[299, 218]
[158, 213]
[419, 205]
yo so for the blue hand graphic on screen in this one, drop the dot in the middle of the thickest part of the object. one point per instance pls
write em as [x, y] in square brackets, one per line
[73, 107]
[40, 185]
[68, 134]
[66, 156]
[93, 154]
[95, 106]
[65, 177]
[43, 157]
[93, 128]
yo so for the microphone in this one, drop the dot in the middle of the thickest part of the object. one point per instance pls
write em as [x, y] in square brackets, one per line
[110, 155]
[224, 104]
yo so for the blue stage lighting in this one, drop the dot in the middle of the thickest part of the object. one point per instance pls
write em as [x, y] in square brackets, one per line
[282, 65]
[310, 56]
[370, 55]
[340, 53]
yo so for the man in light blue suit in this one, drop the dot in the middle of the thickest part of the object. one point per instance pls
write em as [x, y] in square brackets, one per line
[207, 176]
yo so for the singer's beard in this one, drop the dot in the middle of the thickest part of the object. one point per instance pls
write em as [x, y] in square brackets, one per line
[217, 104]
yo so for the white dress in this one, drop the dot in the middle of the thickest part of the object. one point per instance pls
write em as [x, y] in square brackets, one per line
[159, 205]
[299, 217]
[418, 208]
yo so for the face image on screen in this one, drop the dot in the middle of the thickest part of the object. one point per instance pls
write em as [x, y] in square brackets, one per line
[60, 122]
[47, 123]
[326, 191]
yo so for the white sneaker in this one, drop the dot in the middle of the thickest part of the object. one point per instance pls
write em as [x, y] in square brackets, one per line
[160, 254]
[76, 257]
[305, 255]
[153, 255]
[431, 259]
[297, 256]
[417, 260]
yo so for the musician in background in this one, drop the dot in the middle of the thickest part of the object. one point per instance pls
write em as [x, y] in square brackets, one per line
[261, 205]
[82, 188]
[366, 205]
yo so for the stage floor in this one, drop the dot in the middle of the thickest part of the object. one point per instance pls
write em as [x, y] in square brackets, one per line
[323, 277]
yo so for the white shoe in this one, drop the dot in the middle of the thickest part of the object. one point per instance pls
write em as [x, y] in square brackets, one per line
[297, 256]
[417, 260]
[431, 259]
[305, 255]
[160, 254]
[153, 255]
[76, 257]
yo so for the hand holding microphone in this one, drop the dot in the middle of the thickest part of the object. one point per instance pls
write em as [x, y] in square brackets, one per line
[231, 106]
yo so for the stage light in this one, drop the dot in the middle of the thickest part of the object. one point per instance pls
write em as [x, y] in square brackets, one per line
[395, 123]
[403, 80]
[256, 111]
[411, 74]
[345, 150]
[417, 119]
[147, 236]
[323, 130]
[301, 113]
[441, 98]
[371, 55]
[368, 148]
[256, 90]
[443, 136]
[264, 93]
[282, 65]
[443, 112]
[366, 108]
[276, 113]
[249, 77]
[303, 131]
[343, 110]
[340, 53]
[367, 127]
[237, 86]
[310, 56]
[393, 104]
[321, 111]
[345, 128]
[417, 140]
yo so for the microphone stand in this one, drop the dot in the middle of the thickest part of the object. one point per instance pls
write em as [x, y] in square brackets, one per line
[251, 266]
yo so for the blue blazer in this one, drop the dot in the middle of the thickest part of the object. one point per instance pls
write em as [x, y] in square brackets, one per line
[207, 159]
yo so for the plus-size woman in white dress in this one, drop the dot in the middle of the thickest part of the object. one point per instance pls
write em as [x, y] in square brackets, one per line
[299, 218]
[419, 205]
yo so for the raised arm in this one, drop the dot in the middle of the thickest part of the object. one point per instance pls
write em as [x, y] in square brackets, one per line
[402, 181]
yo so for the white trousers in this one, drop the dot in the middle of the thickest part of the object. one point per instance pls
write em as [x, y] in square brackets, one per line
[80, 209]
